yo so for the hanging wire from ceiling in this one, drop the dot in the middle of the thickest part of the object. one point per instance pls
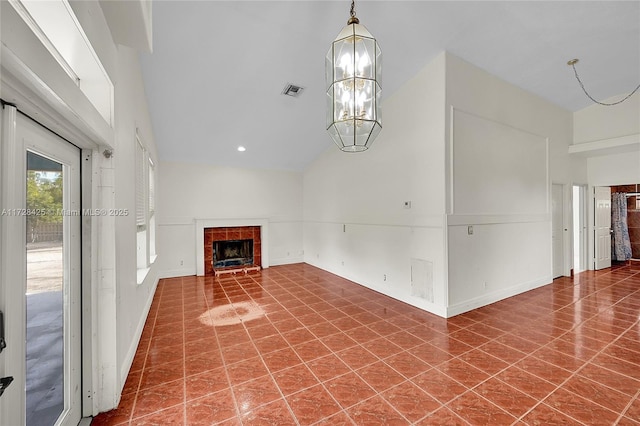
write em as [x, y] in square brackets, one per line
[572, 63]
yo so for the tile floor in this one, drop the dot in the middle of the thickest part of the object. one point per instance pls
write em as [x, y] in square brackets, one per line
[317, 349]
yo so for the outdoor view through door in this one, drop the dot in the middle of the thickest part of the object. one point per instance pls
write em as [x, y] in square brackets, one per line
[44, 293]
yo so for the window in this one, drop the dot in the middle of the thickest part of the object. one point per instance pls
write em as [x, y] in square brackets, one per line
[58, 28]
[145, 210]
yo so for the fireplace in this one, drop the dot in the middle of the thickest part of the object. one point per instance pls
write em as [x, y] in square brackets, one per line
[231, 249]
[232, 253]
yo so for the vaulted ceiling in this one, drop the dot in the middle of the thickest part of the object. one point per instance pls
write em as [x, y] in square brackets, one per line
[215, 78]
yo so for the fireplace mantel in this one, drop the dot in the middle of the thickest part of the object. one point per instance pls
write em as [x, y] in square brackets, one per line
[201, 224]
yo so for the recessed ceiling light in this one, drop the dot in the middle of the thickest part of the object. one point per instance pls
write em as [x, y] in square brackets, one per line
[242, 148]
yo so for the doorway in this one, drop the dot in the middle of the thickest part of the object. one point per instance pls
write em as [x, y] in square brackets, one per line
[579, 212]
[41, 280]
[602, 227]
[557, 229]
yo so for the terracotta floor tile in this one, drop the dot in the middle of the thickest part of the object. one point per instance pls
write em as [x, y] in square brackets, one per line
[119, 415]
[159, 397]
[362, 334]
[463, 372]
[296, 337]
[199, 385]
[439, 385]
[162, 374]
[600, 394]
[255, 393]
[312, 404]
[279, 360]
[543, 415]
[270, 344]
[407, 364]
[442, 417]
[339, 419]
[170, 416]
[295, 379]
[544, 370]
[558, 359]
[244, 371]
[412, 402]
[349, 389]
[382, 347]
[633, 411]
[483, 361]
[430, 354]
[212, 408]
[506, 397]
[478, 411]
[376, 411]
[357, 357]
[380, 376]
[273, 414]
[338, 341]
[328, 367]
[528, 383]
[566, 353]
[580, 409]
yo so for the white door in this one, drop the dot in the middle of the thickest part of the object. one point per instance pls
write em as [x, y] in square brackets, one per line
[40, 287]
[557, 230]
[602, 213]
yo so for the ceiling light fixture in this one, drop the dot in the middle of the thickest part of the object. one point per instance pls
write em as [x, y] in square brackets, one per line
[572, 63]
[242, 148]
[353, 65]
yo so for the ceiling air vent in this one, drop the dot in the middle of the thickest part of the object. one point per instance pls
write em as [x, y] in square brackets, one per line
[292, 90]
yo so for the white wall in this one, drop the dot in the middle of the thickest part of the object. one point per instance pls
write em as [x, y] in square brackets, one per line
[195, 191]
[598, 122]
[499, 183]
[355, 223]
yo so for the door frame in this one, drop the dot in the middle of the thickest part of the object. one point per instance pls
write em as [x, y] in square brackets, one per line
[566, 220]
[13, 228]
[580, 228]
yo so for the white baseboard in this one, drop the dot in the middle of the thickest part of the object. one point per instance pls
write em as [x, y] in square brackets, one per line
[496, 296]
[285, 261]
[172, 273]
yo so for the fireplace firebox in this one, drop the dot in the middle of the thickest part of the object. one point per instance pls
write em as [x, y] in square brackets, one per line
[232, 253]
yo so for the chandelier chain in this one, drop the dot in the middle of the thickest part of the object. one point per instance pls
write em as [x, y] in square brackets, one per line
[573, 65]
[352, 12]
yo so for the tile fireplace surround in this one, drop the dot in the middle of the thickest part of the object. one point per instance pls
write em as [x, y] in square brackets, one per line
[212, 235]
[236, 227]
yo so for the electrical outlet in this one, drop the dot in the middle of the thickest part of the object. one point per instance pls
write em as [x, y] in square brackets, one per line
[470, 229]
[182, 263]
[385, 277]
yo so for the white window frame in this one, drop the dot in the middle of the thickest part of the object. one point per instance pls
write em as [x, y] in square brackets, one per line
[145, 221]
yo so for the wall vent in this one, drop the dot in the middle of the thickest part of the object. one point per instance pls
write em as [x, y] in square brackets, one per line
[422, 279]
[292, 90]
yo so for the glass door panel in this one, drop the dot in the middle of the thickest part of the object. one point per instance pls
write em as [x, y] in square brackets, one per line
[45, 309]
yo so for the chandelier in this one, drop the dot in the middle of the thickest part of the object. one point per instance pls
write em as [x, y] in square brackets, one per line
[353, 66]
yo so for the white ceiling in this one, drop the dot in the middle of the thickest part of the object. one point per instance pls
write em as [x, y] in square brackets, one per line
[215, 78]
